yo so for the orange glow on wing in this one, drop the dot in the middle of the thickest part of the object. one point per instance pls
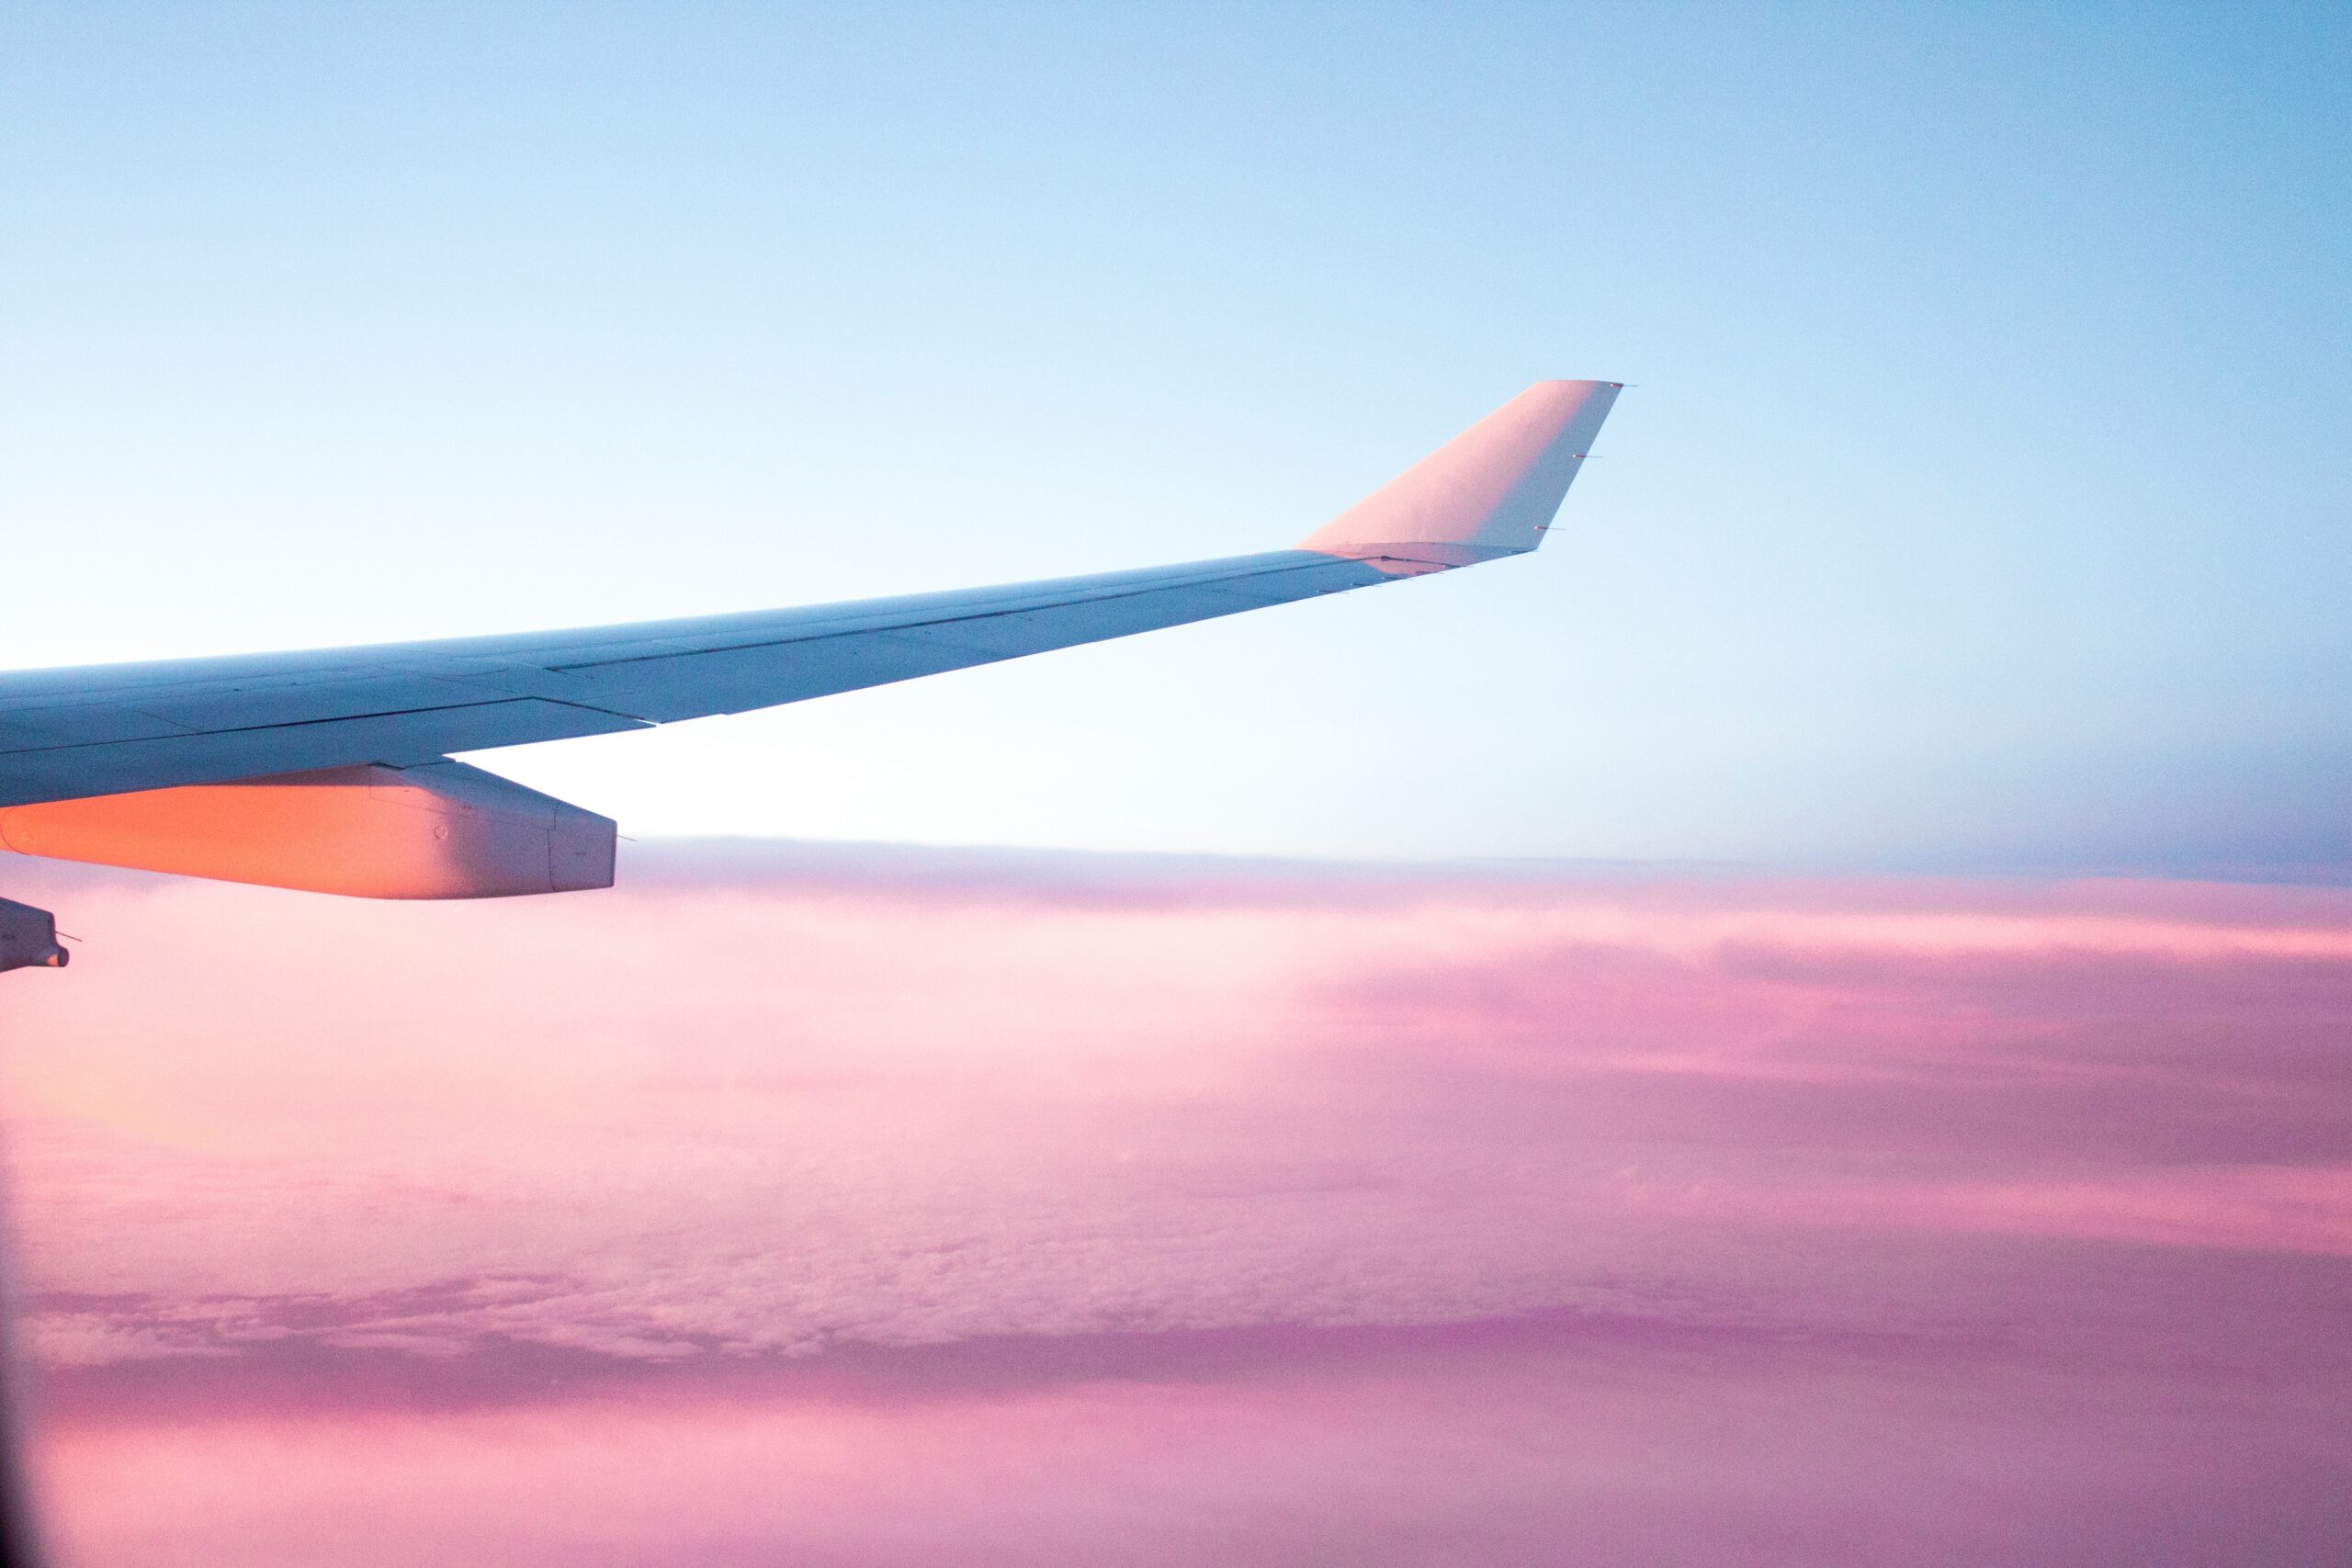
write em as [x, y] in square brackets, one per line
[445, 831]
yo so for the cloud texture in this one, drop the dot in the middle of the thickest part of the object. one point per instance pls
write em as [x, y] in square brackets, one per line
[902, 1206]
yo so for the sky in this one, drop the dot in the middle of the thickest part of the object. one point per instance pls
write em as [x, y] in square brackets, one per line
[836, 1204]
[1978, 503]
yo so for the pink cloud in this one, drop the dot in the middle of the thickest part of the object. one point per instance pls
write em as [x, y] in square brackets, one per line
[1005, 1184]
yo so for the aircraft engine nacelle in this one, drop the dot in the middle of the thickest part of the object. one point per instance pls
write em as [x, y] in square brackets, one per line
[28, 938]
[443, 831]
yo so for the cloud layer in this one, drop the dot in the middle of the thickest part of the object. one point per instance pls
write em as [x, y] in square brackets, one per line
[1056, 1205]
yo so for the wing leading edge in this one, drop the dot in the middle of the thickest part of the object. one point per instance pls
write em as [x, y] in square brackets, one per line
[107, 730]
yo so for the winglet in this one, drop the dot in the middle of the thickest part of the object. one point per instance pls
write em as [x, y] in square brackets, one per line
[1489, 491]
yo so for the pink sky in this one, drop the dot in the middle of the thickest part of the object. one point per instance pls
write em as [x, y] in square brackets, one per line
[892, 1206]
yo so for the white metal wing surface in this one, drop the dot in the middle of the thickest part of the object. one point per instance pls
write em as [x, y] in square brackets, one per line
[244, 767]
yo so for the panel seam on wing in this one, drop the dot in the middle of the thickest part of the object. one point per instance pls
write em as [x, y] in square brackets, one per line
[905, 627]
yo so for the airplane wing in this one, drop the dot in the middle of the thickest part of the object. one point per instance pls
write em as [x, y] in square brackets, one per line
[173, 728]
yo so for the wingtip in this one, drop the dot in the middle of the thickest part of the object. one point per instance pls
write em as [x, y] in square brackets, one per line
[1491, 491]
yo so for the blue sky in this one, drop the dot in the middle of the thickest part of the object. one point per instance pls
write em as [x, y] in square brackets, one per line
[1981, 500]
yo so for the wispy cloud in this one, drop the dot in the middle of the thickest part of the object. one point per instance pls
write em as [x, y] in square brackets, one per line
[808, 1135]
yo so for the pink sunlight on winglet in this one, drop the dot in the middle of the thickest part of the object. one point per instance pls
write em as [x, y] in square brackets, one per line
[848, 1205]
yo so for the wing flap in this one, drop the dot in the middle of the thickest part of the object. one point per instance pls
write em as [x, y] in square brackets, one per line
[256, 705]
[737, 680]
